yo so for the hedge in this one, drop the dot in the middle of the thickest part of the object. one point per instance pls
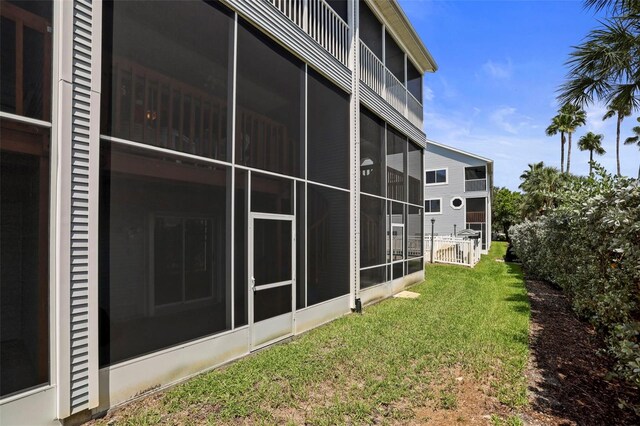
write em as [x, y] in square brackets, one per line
[590, 247]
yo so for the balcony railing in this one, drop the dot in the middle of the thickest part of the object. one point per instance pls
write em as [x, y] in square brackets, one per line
[320, 22]
[475, 185]
[382, 81]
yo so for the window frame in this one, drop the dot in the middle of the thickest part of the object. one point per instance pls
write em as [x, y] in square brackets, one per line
[446, 181]
[432, 199]
[462, 203]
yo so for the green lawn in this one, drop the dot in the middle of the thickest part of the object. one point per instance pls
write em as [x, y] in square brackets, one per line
[381, 366]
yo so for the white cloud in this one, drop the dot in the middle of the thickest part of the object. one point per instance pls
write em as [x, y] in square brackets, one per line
[503, 118]
[498, 70]
[428, 94]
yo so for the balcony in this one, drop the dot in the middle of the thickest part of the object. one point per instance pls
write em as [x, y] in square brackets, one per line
[320, 22]
[382, 81]
[475, 185]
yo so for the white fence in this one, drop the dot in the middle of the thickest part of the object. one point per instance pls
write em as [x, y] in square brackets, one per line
[453, 250]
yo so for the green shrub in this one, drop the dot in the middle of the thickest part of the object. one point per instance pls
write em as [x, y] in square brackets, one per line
[590, 246]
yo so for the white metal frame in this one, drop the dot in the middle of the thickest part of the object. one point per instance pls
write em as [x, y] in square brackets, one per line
[253, 216]
[446, 182]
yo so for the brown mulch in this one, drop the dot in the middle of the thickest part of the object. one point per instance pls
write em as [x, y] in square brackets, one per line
[566, 373]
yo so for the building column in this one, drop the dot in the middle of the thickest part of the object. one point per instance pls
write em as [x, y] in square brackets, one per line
[354, 64]
[78, 56]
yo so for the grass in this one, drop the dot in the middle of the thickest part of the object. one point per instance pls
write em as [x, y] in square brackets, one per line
[377, 367]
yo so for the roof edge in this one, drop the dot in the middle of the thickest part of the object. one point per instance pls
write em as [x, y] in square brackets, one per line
[392, 11]
[460, 151]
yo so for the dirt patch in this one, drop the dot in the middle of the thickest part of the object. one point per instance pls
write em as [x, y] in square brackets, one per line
[566, 374]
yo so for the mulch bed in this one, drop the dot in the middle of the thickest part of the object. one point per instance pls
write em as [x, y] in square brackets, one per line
[566, 372]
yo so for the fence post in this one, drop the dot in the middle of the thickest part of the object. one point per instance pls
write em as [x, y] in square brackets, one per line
[433, 222]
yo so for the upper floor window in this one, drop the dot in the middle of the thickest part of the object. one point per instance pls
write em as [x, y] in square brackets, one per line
[435, 177]
[475, 178]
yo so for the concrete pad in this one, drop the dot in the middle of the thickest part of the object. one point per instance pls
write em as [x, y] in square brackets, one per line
[407, 295]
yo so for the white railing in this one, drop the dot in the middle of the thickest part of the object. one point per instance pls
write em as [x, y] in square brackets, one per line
[371, 70]
[396, 93]
[374, 74]
[414, 110]
[475, 185]
[414, 246]
[320, 22]
[453, 250]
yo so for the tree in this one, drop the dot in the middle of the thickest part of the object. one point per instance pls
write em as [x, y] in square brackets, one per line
[575, 117]
[528, 174]
[605, 66]
[592, 143]
[620, 111]
[631, 140]
[559, 124]
[540, 185]
[506, 207]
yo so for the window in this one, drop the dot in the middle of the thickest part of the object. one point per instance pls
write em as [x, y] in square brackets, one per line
[25, 90]
[436, 177]
[471, 173]
[456, 203]
[475, 178]
[433, 206]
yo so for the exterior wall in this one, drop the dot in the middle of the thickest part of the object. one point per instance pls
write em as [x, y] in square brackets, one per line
[438, 157]
[77, 385]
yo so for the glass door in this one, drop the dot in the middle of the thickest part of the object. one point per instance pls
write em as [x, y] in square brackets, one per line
[272, 272]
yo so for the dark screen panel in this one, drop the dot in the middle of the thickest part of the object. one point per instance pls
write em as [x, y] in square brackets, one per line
[272, 247]
[269, 99]
[372, 276]
[415, 236]
[328, 247]
[340, 7]
[24, 258]
[162, 220]
[415, 265]
[396, 165]
[327, 132]
[301, 246]
[372, 231]
[394, 57]
[271, 194]
[414, 81]
[271, 302]
[372, 154]
[169, 87]
[370, 30]
[414, 173]
[240, 242]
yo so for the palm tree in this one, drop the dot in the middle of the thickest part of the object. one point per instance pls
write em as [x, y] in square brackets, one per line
[620, 111]
[527, 175]
[575, 117]
[605, 66]
[592, 143]
[559, 125]
[634, 140]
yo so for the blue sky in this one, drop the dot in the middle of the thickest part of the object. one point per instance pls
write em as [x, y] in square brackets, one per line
[500, 63]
